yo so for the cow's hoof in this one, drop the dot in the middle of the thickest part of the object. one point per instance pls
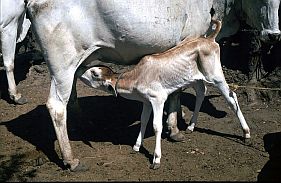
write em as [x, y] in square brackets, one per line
[179, 137]
[80, 168]
[155, 166]
[21, 101]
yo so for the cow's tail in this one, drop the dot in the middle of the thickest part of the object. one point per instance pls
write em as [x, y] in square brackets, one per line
[214, 34]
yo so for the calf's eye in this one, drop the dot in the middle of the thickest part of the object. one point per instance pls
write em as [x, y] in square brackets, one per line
[95, 74]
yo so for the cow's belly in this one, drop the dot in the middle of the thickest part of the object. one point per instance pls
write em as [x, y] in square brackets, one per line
[132, 29]
[132, 48]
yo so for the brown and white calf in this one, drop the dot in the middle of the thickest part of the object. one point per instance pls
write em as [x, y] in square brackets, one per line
[157, 76]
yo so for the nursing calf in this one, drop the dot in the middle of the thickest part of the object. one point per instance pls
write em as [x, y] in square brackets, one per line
[156, 76]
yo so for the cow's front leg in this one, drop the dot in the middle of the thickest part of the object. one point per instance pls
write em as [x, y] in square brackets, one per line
[59, 95]
[8, 47]
[174, 108]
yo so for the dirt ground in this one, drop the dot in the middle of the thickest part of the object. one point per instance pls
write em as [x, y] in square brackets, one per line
[103, 139]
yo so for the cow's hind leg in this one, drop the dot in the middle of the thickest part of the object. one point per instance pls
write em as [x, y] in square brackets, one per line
[200, 90]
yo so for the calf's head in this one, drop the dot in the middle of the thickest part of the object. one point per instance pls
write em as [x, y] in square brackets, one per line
[100, 77]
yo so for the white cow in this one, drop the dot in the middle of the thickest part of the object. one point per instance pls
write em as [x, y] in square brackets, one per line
[13, 29]
[77, 34]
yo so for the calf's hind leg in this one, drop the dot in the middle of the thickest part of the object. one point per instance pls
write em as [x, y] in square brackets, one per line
[211, 66]
[232, 101]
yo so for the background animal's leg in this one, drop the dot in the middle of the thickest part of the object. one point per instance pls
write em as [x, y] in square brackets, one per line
[173, 109]
[8, 43]
[232, 101]
[59, 95]
[146, 111]
[200, 90]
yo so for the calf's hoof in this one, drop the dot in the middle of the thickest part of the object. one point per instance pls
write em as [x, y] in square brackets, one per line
[155, 166]
[179, 137]
[189, 129]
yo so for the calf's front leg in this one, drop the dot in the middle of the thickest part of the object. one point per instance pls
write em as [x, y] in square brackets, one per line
[157, 106]
[232, 101]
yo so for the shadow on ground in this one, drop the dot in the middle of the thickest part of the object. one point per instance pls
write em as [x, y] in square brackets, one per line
[272, 169]
[105, 119]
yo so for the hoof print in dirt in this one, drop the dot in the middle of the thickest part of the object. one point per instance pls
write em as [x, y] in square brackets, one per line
[39, 161]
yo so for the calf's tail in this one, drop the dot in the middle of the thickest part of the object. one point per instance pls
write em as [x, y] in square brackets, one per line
[214, 34]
